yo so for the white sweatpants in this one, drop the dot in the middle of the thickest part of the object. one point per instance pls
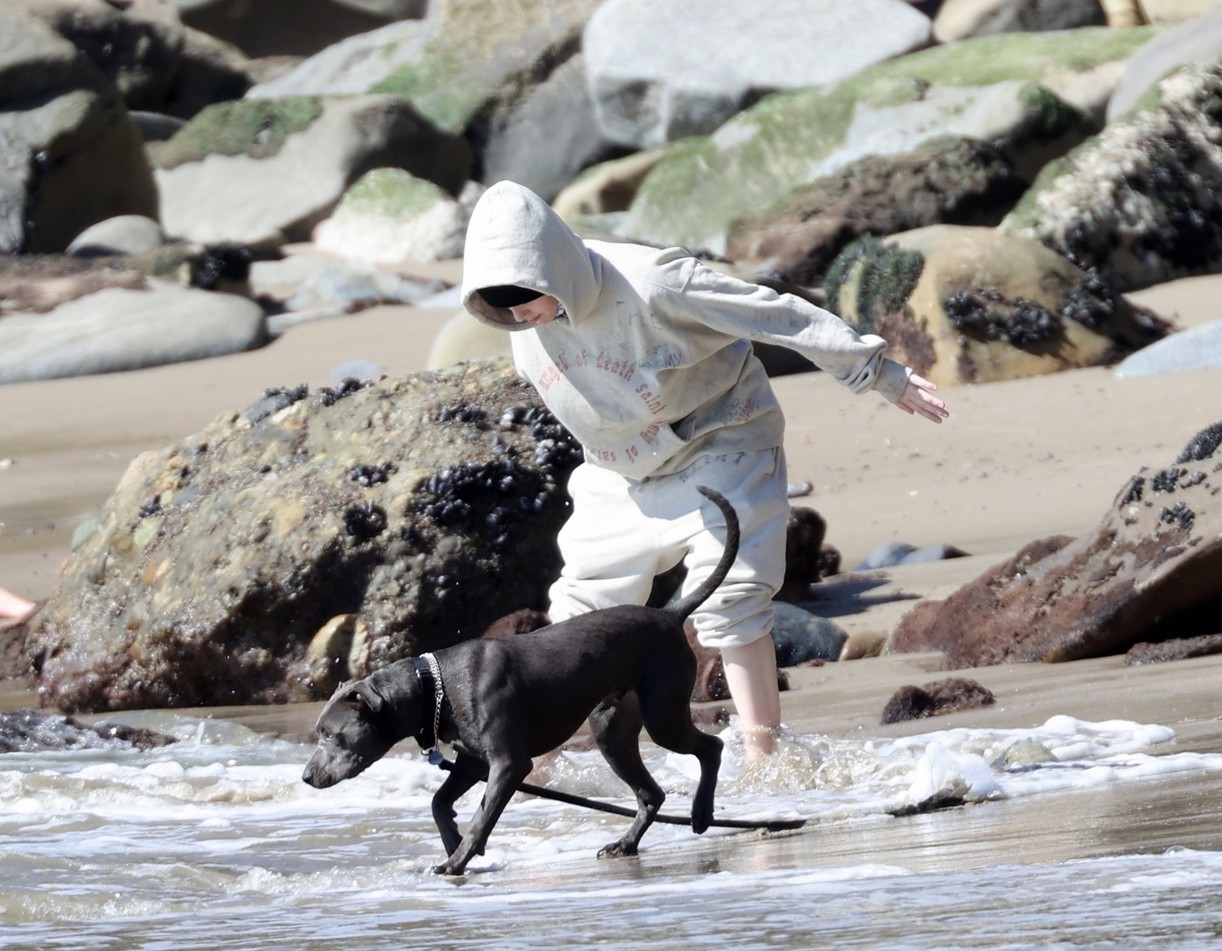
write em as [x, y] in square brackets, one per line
[623, 533]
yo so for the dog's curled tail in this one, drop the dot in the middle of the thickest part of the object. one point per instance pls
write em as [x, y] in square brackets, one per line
[685, 606]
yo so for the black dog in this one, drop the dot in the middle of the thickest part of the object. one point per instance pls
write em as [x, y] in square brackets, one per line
[501, 702]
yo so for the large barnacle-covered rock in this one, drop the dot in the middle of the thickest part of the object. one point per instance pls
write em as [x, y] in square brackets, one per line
[1146, 574]
[1140, 202]
[315, 536]
[979, 305]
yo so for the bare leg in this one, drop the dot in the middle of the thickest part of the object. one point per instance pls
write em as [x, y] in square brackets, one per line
[751, 677]
[12, 606]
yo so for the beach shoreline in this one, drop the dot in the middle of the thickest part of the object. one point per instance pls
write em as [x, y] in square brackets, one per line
[1017, 461]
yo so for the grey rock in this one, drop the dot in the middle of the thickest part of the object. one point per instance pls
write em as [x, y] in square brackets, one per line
[425, 507]
[127, 328]
[262, 171]
[663, 71]
[960, 19]
[31, 731]
[891, 554]
[70, 154]
[354, 65]
[123, 234]
[466, 59]
[801, 637]
[694, 193]
[1191, 349]
[292, 27]
[548, 134]
[1197, 41]
[389, 215]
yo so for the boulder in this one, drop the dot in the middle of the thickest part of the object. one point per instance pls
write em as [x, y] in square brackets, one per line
[353, 65]
[547, 134]
[142, 47]
[1179, 648]
[960, 19]
[480, 53]
[663, 71]
[70, 154]
[292, 27]
[1146, 573]
[389, 215]
[802, 637]
[424, 507]
[1018, 91]
[462, 338]
[133, 323]
[1193, 349]
[1142, 201]
[1197, 41]
[265, 171]
[136, 47]
[605, 188]
[977, 305]
[945, 180]
[123, 234]
[935, 699]
[891, 554]
[1174, 11]
[31, 731]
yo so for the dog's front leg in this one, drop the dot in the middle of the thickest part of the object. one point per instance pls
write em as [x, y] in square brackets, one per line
[504, 777]
[464, 774]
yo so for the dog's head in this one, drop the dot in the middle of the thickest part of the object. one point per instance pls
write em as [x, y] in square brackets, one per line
[355, 730]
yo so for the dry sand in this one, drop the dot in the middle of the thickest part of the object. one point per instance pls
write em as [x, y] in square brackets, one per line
[1015, 462]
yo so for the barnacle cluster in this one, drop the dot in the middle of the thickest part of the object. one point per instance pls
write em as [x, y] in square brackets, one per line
[274, 399]
[1021, 322]
[367, 475]
[477, 497]
[365, 520]
[347, 386]
[463, 414]
[555, 448]
[1203, 445]
[1179, 515]
[1167, 479]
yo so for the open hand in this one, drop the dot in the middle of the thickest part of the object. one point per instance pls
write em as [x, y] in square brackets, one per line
[918, 399]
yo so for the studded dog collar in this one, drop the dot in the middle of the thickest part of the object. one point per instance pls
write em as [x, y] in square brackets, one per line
[429, 673]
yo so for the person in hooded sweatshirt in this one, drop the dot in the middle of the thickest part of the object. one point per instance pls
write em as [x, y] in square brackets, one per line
[645, 355]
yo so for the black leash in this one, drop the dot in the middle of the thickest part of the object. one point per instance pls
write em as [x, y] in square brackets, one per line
[769, 825]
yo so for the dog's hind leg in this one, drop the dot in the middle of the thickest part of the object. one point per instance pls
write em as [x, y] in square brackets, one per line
[504, 776]
[667, 716]
[617, 729]
[464, 774]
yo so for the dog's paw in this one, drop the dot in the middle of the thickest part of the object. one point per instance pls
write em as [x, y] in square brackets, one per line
[701, 819]
[620, 848]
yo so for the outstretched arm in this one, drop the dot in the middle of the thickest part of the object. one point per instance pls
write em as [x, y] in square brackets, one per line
[918, 399]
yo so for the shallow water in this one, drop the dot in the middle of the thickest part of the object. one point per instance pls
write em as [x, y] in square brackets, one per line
[1077, 842]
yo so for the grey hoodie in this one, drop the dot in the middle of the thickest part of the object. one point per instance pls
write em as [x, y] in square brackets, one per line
[651, 366]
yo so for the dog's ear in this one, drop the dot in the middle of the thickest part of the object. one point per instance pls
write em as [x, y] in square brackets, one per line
[362, 694]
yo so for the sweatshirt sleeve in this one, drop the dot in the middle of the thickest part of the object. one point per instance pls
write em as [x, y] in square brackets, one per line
[755, 312]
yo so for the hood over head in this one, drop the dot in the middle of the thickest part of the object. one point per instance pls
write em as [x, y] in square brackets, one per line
[516, 240]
